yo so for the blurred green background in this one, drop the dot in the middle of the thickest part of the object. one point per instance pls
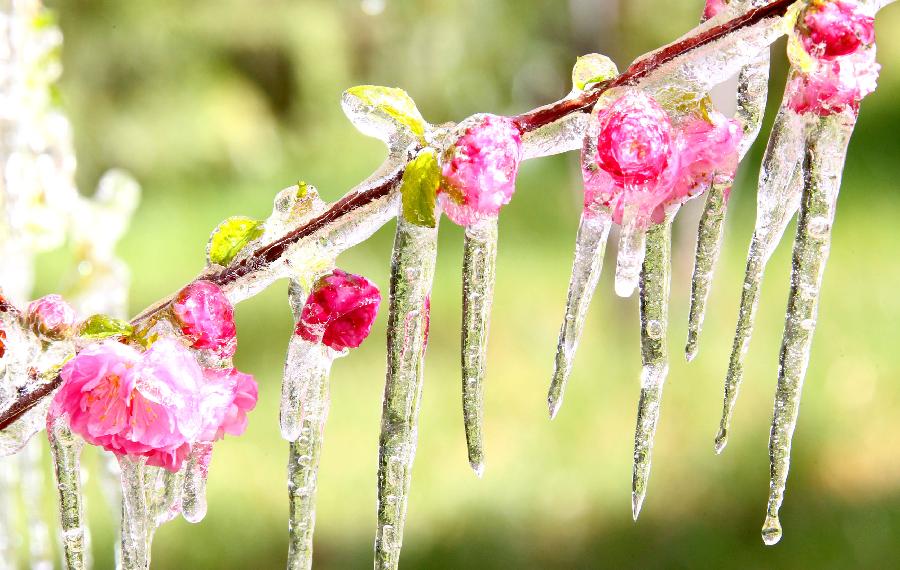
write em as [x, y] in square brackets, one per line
[216, 105]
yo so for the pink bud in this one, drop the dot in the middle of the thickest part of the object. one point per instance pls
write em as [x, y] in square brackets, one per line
[340, 311]
[836, 27]
[635, 139]
[479, 171]
[206, 317]
[51, 317]
[713, 7]
[835, 86]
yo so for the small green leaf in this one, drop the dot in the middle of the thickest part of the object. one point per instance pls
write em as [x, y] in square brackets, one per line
[230, 237]
[418, 188]
[102, 326]
[390, 107]
[592, 68]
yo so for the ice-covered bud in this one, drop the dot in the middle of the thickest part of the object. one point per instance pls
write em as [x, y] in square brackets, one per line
[630, 162]
[131, 403]
[635, 139]
[833, 28]
[206, 317]
[51, 317]
[835, 86]
[707, 146]
[713, 7]
[478, 173]
[227, 396]
[340, 311]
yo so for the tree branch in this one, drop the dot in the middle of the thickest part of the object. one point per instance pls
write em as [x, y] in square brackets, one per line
[266, 256]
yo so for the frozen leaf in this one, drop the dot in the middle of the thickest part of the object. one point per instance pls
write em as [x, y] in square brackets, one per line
[230, 237]
[592, 68]
[98, 327]
[418, 188]
[383, 112]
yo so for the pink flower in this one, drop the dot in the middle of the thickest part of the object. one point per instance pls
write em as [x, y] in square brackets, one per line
[133, 404]
[206, 317]
[227, 397]
[51, 317]
[340, 311]
[835, 86]
[713, 7]
[644, 164]
[836, 28]
[479, 171]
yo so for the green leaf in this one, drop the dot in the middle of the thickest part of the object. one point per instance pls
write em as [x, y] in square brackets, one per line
[388, 106]
[230, 237]
[103, 326]
[592, 68]
[419, 187]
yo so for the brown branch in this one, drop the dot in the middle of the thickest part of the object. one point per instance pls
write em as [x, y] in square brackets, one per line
[268, 254]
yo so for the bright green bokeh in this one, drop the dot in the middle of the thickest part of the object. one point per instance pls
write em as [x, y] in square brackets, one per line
[216, 105]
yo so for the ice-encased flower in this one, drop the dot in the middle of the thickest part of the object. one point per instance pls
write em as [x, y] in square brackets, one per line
[712, 8]
[643, 163]
[834, 28]
[339, 311]
[206, 317]
[834, 86]
[51, 317]
[478, 173]
[131, 403]
[228, 395]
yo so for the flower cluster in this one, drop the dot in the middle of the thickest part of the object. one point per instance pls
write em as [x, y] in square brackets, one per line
[340, 311]
[837, 39]
[478, 173]
[160, 402]
[638, 162]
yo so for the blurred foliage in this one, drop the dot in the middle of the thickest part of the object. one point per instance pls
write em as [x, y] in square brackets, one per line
[216, 105]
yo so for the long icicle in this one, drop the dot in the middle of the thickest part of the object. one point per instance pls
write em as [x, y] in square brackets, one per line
[823, 166]
[590, 245]
[196, 471]
[412, 273]
[135, 549]
[654, 303]
[32, 493]
[479, 269]
[753, 88]
[778, 197]
[65, 450]
[630, 257]
[305, 403]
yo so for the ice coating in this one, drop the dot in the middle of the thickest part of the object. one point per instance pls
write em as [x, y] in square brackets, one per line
[206, 317]
[479, 271]
[136, 522]
[479, 170]
[340, 311]
[65, 449]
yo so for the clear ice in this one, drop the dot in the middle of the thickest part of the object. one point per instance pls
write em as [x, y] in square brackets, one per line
[136, 524]
[479, 268]
[632, 239]
[412, 274]
[196, 470]
[823, 164]
[65, 449]
[590, 245]
[656, 275]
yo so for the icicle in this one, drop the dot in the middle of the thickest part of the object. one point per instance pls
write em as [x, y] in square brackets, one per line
[589, 248]
[32, 492]
[170, 503]
[752, 91]
[654, 302]
[823, 165]
[193, 502]
[631, 255]
[304, 410]
[780, 184]
[479, 265]
[412, 273]
[710, 234]
[9, 538]
[135, 519]
[65, 449]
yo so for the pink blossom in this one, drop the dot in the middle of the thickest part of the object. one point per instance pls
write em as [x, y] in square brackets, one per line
[340, 311]
[644, 164]
[835, 28]
[227, 397]
[835, 86]
[206, 317]
[479, 171]
[51, 317]
[713, 7]
[133, 404]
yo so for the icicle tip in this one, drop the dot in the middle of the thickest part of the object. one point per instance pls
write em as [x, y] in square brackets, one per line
[721, 441]
[637, 501]
[771, 532]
